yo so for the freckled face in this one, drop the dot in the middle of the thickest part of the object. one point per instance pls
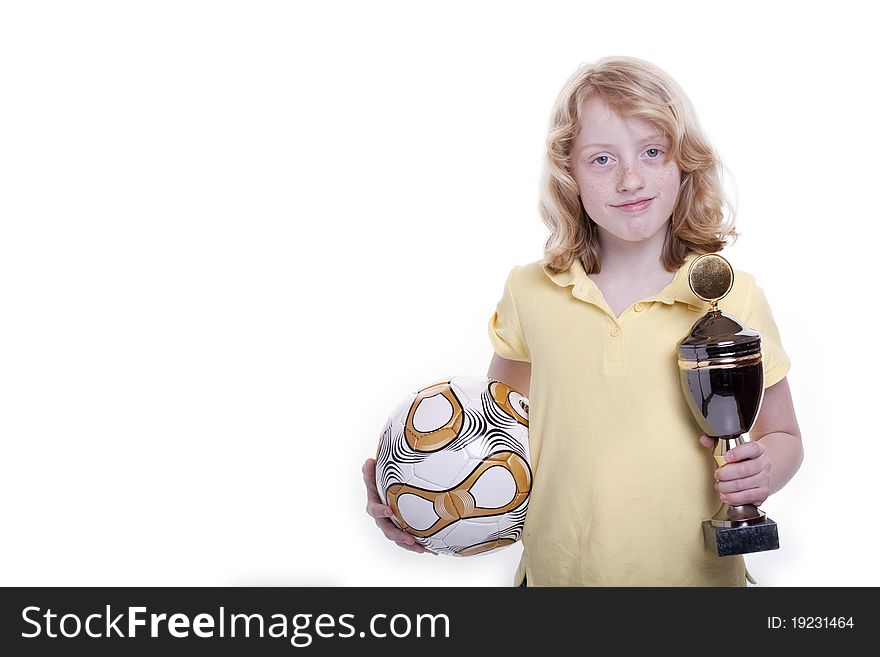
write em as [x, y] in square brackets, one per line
[627, 181]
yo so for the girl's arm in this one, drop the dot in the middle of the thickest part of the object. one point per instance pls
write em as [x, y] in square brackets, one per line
[777, 429]
[761, 467]
[517, 374]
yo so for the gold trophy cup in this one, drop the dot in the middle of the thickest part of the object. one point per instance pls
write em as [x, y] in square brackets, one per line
[722, 377]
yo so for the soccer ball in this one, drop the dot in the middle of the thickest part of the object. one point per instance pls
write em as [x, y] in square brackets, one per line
[453, 465]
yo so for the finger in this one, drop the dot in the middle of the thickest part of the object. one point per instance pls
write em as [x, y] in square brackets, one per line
[368, 469]
[392, 533]
[754, 496]
[750, 450]
[737, 485]
[740, 470]
[373, 501]
[418, 549]
[376, 509]
[705, 441]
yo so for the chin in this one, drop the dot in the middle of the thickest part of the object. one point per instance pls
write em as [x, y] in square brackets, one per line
[641, 232]
[635, 230]
[638, 237]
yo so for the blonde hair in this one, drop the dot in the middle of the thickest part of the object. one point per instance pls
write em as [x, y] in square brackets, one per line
[632, 88]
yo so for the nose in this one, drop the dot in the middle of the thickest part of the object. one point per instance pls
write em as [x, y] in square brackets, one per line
[630, 178]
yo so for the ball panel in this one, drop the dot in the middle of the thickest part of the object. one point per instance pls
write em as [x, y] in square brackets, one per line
[432, 414]
[510, 402]
[416, 511]
[438, 436]
[442, 468]
[468, 388]
[494, 489]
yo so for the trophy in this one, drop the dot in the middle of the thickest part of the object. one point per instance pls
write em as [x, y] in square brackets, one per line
[722, 377]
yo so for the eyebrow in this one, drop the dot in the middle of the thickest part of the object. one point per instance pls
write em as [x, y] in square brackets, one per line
[646, 140]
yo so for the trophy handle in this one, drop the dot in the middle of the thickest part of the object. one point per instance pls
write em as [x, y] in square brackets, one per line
[729, 515]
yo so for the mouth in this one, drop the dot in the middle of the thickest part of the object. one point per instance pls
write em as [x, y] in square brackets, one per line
[636, 205]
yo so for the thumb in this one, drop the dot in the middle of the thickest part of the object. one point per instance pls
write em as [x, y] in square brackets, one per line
[705, 441]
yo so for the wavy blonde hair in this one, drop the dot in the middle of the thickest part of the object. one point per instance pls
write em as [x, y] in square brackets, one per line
[632, 88]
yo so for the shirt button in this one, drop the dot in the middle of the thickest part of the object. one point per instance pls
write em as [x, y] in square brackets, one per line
[638, 307]
[615, 332]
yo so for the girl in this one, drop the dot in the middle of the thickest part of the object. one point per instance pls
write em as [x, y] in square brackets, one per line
[631, 195]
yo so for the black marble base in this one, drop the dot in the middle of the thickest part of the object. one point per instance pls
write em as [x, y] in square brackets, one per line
[726, 541]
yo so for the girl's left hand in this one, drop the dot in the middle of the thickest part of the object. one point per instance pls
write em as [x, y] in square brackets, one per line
[745, 478]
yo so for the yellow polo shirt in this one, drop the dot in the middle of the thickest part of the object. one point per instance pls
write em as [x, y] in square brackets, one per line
[621, 482]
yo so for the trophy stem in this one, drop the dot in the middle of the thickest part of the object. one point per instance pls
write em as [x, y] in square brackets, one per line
[724, 444]
[741, 514]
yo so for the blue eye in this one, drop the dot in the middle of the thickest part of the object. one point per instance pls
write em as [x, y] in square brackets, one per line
[603, 158]
[653, 152]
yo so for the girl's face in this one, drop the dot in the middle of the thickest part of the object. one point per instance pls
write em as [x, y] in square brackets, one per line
[627, 181]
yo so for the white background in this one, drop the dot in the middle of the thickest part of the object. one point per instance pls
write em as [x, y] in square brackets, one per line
[235, 234]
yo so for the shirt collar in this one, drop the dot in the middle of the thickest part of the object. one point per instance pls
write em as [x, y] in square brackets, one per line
[583, 287]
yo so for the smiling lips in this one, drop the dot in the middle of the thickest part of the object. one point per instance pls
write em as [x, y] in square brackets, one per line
[636, 205]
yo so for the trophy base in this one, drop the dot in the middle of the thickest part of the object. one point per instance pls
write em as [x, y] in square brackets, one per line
[727, 541]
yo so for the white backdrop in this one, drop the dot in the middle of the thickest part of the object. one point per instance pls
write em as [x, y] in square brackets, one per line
[235, 234]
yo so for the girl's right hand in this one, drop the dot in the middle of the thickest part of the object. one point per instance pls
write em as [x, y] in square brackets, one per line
[382, 513]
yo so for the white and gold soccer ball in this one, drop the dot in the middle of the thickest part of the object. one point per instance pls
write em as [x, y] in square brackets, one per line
[453, 465]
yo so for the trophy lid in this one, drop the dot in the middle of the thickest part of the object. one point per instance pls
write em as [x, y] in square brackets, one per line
[718, 335]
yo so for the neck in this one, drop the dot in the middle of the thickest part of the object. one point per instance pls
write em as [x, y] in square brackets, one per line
[631, 259]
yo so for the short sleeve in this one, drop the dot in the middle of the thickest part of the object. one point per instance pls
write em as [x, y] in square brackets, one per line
[760, 318]
[505, 331]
